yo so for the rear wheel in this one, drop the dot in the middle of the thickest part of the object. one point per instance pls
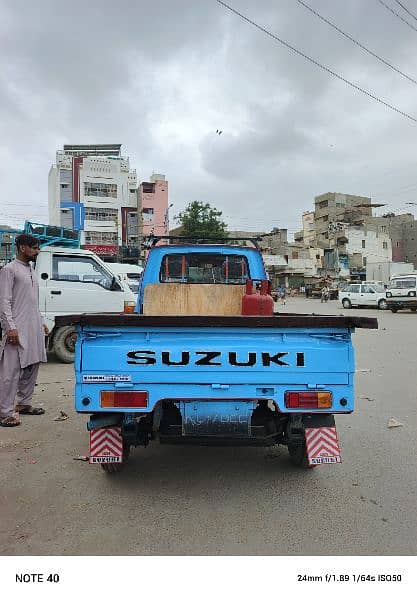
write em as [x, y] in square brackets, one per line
[382, 304]
[346, 303]
[298, 455]
[111, 468]
[414, 310]
[394, 309]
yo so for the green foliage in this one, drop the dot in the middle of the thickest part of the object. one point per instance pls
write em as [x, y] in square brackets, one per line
[201, 220]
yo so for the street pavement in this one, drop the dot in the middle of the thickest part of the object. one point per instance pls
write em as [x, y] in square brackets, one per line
[224, 501]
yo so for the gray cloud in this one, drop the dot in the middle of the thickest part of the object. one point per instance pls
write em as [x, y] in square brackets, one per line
[160, 77]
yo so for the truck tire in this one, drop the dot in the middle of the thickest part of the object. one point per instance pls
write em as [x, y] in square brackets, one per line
[346, 303]
[382, 304]
[64, 343]
[394, 309]
[298, 455]
[111, 468]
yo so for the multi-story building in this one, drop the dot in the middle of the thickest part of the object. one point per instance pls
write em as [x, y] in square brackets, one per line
[153, 206]
[402, 230]
[93, 189]
[332, 209]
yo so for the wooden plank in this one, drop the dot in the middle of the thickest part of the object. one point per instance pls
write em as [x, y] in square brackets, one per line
[181, 299]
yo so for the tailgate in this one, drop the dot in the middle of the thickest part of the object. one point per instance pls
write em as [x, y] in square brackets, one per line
[213, 363]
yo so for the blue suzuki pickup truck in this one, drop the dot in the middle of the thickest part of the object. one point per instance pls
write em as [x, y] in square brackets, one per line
[189, 368]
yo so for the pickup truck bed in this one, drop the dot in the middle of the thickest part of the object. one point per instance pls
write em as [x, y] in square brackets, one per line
[214, 379]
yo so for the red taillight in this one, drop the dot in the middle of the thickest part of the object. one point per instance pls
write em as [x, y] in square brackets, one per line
[308, 399]
[124, 399]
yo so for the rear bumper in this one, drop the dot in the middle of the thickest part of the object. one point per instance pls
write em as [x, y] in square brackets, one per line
[401, 304]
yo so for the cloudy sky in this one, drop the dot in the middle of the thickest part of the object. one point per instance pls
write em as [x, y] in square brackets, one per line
[161, 76]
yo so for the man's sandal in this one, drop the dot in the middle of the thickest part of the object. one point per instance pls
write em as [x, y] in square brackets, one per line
[26, 409]
[9, 422]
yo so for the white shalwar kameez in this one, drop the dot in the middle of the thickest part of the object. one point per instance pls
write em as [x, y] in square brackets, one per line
[19, 309]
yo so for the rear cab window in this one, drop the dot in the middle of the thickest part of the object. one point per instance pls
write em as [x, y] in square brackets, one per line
[204, 268]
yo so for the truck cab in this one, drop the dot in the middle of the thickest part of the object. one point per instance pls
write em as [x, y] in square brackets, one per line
[75, 280]
[402, 293]
[204, 266]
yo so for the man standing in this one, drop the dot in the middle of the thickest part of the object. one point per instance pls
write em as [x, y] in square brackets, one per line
[22, 347]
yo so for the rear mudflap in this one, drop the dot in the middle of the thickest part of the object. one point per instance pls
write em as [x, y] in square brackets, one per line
[318, 433]
[106, 445]
[322, 445]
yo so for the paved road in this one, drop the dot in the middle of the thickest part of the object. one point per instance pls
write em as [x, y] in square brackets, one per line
[174, 500]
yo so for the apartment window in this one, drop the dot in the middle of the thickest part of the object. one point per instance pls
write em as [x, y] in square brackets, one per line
[148, 188]
[363, 243]
[385, 245]
[106, 190]
[397, 244]
[383, 228]
[132, 191]
[294, 255]
[323, 204]
[93, 213]
[317, 256]
[64, 186]
[364, 261]
[101, 237]
[147, 214]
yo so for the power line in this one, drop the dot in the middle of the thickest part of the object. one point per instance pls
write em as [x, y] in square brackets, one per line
[349, 37]
[396, 14]
[316, 63]
[406, 9]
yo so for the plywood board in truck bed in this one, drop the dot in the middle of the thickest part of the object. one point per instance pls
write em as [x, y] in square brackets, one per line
[193, 299]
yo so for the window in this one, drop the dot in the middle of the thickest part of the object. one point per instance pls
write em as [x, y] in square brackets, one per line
[363, 243]
[147, 214]
[64, 186]
[323, 204]
[203, 267]
[93, 213]
[106, 190]
[385, 245]
[101, 237]
[406, 283]
[353, 288]
[82, 269]
[367, 289]
[294, 255]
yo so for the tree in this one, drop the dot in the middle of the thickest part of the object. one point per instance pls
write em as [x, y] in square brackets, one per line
[201, 220]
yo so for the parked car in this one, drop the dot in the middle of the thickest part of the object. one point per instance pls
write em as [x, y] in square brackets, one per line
[363, 294]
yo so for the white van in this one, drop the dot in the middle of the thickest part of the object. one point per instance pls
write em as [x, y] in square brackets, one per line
[75, 281]
[129, 274]
[402, 293]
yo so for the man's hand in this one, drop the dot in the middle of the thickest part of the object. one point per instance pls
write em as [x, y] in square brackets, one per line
[12, 337]
[45, 330]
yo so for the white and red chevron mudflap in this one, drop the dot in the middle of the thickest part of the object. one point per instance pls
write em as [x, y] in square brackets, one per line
[322, 446]
[106, 445]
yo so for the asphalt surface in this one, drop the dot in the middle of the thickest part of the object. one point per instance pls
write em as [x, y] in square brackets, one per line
[223, 501]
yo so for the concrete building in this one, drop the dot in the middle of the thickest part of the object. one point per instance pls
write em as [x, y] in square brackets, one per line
[402, 230]
[153, 206]
[93, 189]
[333, 209]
